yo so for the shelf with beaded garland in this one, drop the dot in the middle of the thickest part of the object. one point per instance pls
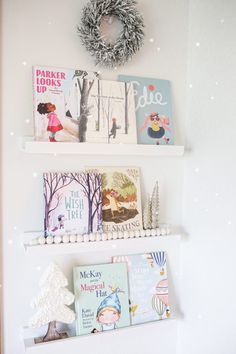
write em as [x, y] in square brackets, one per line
[61, 240]
[35, 242]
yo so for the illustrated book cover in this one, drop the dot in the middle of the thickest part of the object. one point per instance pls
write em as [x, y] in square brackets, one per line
[107, 112]
[101, 297]
[55, 97]
[148, 286]
[73, 203]
[153, 110]
[121, 198]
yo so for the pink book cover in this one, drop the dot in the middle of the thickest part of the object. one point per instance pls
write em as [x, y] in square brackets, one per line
[55, 97]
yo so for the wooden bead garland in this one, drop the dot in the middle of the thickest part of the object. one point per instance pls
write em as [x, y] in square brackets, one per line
[73, 238]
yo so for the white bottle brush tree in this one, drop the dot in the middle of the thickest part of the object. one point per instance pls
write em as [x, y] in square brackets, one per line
[52, 303]
[151, 210]
[147, 214]
[155, 206]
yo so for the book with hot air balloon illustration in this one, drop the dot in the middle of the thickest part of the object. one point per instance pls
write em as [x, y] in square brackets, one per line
[101, 297]
[148, 286]
[153, 110]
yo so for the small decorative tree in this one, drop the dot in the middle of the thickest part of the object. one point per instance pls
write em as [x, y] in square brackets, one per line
[147, 215]
[151, 210]
[52, 303]
[155, 206]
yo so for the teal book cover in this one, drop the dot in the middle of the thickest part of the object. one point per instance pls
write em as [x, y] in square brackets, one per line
[101, 297]
[153, 110]
[148, 286]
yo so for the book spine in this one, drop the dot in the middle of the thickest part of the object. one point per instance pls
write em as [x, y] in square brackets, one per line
[77, 320]
[34, 101]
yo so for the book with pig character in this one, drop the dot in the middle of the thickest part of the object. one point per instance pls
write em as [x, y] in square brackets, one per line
[153, 110]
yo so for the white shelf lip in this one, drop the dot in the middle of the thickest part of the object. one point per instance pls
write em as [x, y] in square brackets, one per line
[138, 244]
[41, 147]
[70, 342]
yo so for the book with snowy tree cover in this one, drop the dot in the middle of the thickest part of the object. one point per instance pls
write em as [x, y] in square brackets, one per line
[148, 286]
[56, 105]
[73, 203]
[121, 198]
[101, 297]
[107, 112]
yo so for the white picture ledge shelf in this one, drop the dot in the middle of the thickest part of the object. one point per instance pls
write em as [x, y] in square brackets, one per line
[40, 147]
[140, 244]
[118, 339]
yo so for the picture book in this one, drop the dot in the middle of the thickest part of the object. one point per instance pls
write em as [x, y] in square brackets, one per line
[107, 112]
[56, 110]
[148, 286]
[101, 297]
[121, 198]
[73, 203]
[153, 110]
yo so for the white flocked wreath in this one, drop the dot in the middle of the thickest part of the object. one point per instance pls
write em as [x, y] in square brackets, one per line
[126, 45]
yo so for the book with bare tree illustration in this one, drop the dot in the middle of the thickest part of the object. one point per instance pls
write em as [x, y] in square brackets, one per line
[121, 198]
[107, 112]
[56, 110]
[73, 203]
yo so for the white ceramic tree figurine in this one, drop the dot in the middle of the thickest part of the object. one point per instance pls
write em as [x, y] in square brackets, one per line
[52, 302]
[155, 206]
[147, 221]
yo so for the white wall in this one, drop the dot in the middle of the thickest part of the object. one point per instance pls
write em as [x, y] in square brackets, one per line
[44, 33]
[208, 255]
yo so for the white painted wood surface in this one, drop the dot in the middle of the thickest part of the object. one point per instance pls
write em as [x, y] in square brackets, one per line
[140, 244]
[39, 147]
[121, 341]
